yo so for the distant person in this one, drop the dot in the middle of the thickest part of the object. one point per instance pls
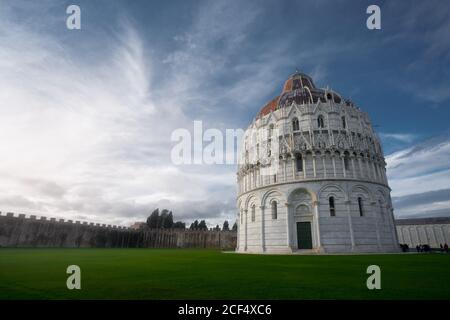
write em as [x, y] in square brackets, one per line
[418, 248]
[446, 247]
[442, 247]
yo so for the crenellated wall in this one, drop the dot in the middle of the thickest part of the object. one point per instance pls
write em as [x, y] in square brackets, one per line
[20, 231]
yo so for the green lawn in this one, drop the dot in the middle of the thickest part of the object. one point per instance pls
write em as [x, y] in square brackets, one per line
[204, 274]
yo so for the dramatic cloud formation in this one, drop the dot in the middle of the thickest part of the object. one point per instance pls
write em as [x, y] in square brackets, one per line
[85, 139]
[86, 116]
[420, 178]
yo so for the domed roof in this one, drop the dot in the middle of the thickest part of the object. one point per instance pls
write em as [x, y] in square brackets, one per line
[300, 88]
[298, 81]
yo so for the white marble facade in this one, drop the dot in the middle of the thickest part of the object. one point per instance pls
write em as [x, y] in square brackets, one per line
[326, 190]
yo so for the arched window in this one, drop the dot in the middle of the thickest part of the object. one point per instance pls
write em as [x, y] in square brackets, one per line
[346, 162]
[299, 163]
[270, 130]
[253, 213]
[320, 122]
[332, 207]
[295, 125]
[344, 123]
[274, 210]
[360, 206]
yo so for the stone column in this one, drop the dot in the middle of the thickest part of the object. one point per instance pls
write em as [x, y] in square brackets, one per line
[288, 222]
[314, 164]
[334, 164]
[374, 171]
[378, 171]
[304, 165]
[238, 231]
[324, 166]
[245, 234]
[293, 168]
[317, 224]
[263, 235]
[353, 167]
[377, 228]
[390, 210]
[360, 167]
[284, 169]
[350, 224]
[343, 166]
[368, 167]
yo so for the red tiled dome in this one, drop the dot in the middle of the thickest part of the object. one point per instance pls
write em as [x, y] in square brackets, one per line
[299, 88]
[269, 107]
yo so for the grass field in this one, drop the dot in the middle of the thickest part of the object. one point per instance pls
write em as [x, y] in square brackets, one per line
[203, 274]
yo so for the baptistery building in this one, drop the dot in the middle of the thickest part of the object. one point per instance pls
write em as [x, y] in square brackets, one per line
[312, 177]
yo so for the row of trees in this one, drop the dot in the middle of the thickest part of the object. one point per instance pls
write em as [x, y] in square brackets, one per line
[164, 220]
[202, 226]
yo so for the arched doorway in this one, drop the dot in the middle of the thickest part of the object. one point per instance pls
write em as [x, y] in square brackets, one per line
[302, 220]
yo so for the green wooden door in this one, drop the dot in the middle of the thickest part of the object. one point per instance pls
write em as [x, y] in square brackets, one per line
[304, 238]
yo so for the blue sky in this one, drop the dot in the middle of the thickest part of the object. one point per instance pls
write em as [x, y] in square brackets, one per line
[86, 115]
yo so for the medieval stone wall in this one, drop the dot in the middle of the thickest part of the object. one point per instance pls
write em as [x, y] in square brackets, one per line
[431, 231]
[20, 231]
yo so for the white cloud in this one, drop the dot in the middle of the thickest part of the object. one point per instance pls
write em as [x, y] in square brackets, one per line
[87, 133]
[420, 178]
[402, 186]
[402, 137]
[91, 139]
[424, 159]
